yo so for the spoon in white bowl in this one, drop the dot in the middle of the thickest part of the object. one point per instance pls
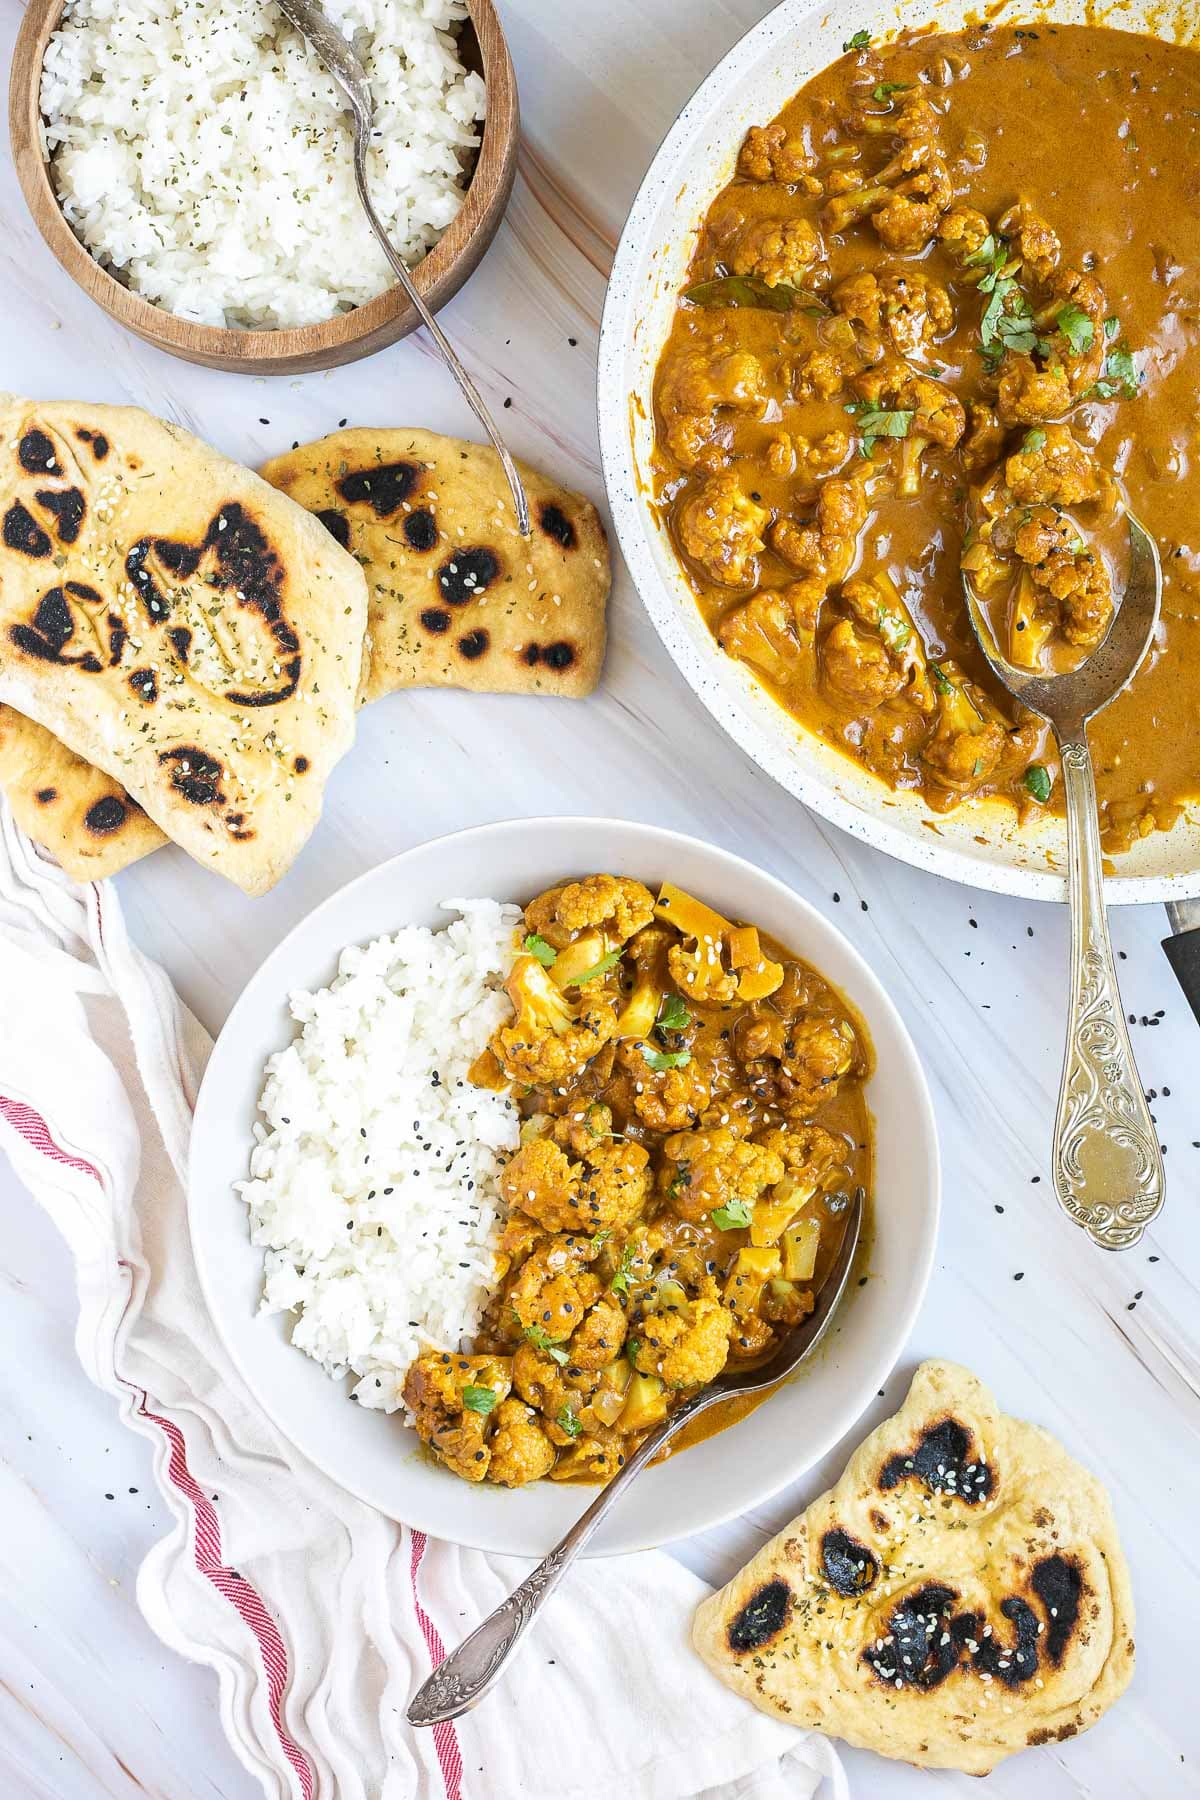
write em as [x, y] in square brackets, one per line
[471, 1671]
[1108, 1168]
[347, 71]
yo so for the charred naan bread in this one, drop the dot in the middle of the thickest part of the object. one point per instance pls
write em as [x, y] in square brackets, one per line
[458, 597]
[179, 624]
[82, 816]
[959, 1594]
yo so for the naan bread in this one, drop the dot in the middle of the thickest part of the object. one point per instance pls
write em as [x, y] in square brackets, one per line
[82, 816]
[959, 1594]
[179, 624]
[458, 597]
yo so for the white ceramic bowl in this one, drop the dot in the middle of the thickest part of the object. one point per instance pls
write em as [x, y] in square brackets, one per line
[377, 1457]
[974, 844]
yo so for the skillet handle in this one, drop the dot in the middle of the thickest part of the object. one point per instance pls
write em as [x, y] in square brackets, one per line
[1183, 954]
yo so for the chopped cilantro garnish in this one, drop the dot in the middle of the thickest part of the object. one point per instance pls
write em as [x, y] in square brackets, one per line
[1076, 327]
[566, 1421]
[893, 629]
[658, 1060]
[603, 967]
[879, 421]
[1111, 326]
[541, 1340]
[620, 1281]
[1037, 782]
[941, 680]
[479, 1399]
[673, 1014]
[1120, 379]
[859, 41]
[732, 1216]
[883, 93]
[537, 946]
[632, 1346]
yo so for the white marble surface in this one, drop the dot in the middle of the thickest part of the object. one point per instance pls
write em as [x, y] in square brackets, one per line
[90, 1705]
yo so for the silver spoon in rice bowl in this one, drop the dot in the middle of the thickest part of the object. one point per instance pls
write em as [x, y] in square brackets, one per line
[1108, 1166]
[468, 1673]
[342, 63]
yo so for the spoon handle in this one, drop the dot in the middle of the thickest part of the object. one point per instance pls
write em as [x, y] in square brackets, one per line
[462, 1679]
[1108, 1168]
[450, 357]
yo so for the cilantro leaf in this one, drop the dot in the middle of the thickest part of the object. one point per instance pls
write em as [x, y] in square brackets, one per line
[732, 1216]
[673, 1014]
[883, 93]
[1076, 327]
[1120, 379]
[603, 967]
[859, 41]
[658, 1060]
[632, 1346]
[541, 1340]
[941, 680]
[537, 946]
[1111, 326]
[620, 1281]
[566, 1421]
[1037, 782]
[479, 1399]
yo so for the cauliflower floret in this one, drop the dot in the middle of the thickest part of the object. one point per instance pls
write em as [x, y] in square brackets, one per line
[720, 530]
[615, 1185]
[857, 668]
[685, 1352]
[1029, 395]
[938, 415]
[433, 1391]
[964, 232]
[809, 1153]
[695, 388]
[614, 904]
[985, 436]
[550, 1041]
[553, 1289]
[600, 1338]
[1076, 303]
[585, 1129]
[907, 198]
[697, 971]
[1032, 240]
[541, 1182]
[778, 250]
[969, 737]
[715, 1167]
[1063, 566]
[770, 154]
[819, 375]
[1052, 467]
[913, 311]
[521, 1451]
[665, 1099]
[817, 1052]
[825, 546]
[775, 628]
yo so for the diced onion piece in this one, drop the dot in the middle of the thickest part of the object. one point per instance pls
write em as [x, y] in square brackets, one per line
[800, 1243]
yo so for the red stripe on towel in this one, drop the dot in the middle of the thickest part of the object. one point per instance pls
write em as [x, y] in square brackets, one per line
[30, 1126]
[445, 1738]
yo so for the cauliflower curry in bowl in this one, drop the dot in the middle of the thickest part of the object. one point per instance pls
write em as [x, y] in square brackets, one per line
[929, 326]
[694, 1123]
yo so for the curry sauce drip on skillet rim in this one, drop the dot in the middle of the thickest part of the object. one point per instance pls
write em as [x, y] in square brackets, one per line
[948, 306]
[694, 1124]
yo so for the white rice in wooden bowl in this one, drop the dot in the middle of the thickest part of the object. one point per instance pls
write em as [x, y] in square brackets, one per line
[373, 1183]
[201, 153]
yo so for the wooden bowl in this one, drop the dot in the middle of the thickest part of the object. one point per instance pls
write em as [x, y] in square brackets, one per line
[343, 339]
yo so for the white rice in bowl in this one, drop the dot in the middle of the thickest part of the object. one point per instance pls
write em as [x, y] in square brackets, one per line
[374, 1181]
[201, 152]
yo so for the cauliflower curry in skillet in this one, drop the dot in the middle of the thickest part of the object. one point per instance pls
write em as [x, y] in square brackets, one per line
[694, 1124]
[947, 314]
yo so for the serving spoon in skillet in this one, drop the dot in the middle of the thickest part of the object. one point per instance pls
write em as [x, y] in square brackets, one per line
[468, 1673]
[1108, 1167]
[339, 59]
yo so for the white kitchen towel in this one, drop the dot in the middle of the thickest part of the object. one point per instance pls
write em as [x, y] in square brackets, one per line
[320, 1617]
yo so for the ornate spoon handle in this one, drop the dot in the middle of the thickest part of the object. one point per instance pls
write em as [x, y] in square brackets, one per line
[1108, 1169]
[466, 1675]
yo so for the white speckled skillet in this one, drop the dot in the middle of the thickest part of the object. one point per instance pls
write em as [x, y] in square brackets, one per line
[978, 844]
